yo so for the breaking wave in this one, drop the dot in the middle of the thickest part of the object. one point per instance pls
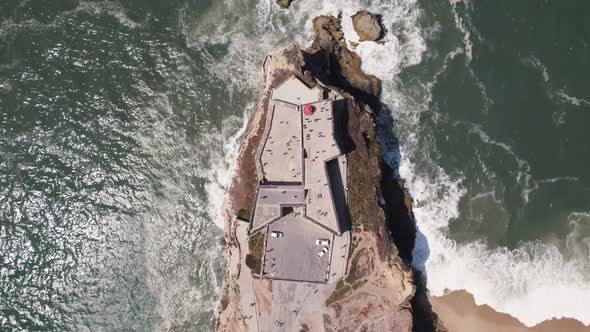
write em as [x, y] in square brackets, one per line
[534, 282]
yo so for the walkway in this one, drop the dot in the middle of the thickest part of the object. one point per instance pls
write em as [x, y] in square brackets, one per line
[245, 280]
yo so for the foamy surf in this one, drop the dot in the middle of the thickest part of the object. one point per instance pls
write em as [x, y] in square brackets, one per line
[223, 162]
[533, 283]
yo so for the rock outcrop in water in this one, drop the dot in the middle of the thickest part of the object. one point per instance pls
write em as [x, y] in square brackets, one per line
[367, 26]
[284, 3]
[378, 292]
[331, 61]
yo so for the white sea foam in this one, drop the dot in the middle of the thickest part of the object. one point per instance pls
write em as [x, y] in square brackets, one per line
[558, 96]
[223, 162]
[578, 239]
[572, 99]
[463, 24]
[536, 63]
[110, 8]
[459, 22]
[533, 282]
[524, 177]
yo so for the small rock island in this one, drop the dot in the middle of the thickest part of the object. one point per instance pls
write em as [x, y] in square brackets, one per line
[319, 233]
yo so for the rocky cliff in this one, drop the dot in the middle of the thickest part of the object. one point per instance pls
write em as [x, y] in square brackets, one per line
[378, 292]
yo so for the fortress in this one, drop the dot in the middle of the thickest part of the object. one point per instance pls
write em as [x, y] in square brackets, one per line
[294, 247]
[301, 199]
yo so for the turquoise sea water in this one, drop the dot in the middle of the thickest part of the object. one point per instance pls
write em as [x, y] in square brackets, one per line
[120, 120]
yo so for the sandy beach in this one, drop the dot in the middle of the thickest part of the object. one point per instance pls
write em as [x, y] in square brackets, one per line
[459, 313]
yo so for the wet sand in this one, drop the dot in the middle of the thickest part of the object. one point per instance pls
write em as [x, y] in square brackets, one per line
[459, 313]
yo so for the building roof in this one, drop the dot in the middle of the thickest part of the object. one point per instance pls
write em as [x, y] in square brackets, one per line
[282, 154]
[270, 199]
[320, 147]
[298, 160]
[294, 91]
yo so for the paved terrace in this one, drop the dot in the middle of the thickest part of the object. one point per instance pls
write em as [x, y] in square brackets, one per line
[245, 280]
[304, 170]
[281, 158]
[294, 256]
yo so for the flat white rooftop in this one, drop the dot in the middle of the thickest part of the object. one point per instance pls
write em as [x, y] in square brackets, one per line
[281, 158]
[320, 147]
[296, 92]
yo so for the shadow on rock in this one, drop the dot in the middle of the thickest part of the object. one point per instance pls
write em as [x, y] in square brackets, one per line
[334, 64]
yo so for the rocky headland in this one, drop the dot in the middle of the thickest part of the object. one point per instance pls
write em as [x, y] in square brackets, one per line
[379, 289]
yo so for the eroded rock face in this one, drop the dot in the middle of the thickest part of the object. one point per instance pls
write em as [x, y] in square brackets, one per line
[376, 292]
[329, 58]
[284, 3]
[367, 26]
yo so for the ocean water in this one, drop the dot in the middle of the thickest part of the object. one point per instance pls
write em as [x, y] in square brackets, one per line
[120, 122]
